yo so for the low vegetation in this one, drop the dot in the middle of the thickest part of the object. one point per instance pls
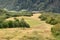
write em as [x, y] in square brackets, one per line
[53, 19]
[14, 24]
[56, 31]
[50, 18]
[17, 23]
[26, 19]
[19, 13]
[7, 14]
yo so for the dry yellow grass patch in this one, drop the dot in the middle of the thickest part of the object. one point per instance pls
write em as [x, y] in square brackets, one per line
[41, 31]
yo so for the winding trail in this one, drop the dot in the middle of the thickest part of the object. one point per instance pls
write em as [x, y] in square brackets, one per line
[44, 27]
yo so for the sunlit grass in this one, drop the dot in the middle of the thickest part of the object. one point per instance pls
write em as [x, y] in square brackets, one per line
[32, 22]
[27, 33]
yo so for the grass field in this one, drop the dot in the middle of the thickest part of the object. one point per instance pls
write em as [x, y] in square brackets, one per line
[33, 20]
[39, 30]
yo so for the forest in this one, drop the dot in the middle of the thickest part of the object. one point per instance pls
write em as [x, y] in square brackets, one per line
[32, 5]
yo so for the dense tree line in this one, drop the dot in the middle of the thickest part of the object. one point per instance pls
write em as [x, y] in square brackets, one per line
[36, 5]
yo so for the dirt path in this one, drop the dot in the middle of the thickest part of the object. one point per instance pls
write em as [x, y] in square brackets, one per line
[46, 28]
[35, 16]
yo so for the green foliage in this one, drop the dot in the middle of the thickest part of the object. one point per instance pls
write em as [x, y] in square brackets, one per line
[42, 17]
[46, 5]
[24, 24]
[2, 11]
[51, 21]
[10, 24]
[5, 25]
[19, 13]
[50, 18]
[56, 30]
[1, 25]
[7, 14]
[15, 23]
[25, 13]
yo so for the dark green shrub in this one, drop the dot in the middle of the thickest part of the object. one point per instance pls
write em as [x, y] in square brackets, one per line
[7, 15]
[5, 25]
[14, 24]
[42, 17]
[10, 24]
[16, 19]
[1, 26]
[24, 24]
[50, 18]
[51, 21]
[1, 23]
[25, 13]
[56, 30]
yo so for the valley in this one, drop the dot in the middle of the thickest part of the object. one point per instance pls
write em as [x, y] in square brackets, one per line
[39, 30]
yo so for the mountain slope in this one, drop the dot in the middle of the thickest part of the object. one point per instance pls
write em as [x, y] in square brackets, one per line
[47, 5]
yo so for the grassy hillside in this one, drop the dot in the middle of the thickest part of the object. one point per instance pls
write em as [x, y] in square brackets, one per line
[33, 20]
[39, 30]
[53, 19]
[25, 25]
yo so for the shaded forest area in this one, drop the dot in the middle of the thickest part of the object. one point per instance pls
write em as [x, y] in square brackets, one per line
[35, 5]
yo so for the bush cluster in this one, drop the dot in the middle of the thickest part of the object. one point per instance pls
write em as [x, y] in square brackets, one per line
[8, 14]
[56, 30]
[50, 18]
[13, 24]
[42, 17]
[20, 13]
